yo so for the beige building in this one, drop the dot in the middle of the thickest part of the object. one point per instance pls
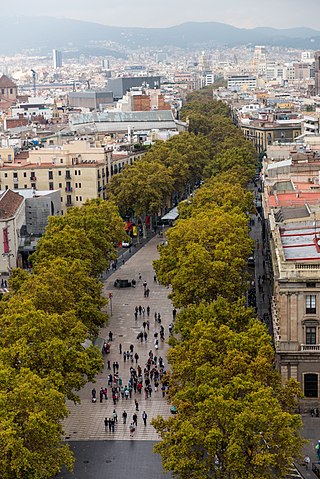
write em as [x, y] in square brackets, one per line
[79, 170]
[76, 169]
[12, 218]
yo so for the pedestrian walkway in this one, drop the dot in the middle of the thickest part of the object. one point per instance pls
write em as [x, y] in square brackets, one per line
[86, 421]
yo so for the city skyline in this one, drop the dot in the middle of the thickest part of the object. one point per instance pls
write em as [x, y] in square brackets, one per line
[249, 14]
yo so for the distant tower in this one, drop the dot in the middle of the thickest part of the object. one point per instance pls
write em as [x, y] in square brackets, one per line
[57, 59]
[317, 73]
[260, 59]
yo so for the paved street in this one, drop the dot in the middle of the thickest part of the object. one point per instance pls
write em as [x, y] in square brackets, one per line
[86, 421]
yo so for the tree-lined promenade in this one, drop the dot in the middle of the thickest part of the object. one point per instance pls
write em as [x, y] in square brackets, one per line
[234, 419]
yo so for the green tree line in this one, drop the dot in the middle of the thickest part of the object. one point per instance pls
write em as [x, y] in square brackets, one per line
[235, 419]
[44, 323]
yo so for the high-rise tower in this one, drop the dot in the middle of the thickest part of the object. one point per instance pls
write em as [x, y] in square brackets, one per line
[57, 59]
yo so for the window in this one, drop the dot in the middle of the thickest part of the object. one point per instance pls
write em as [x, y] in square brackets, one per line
[60, 185]
[6, 175]
[311, 304]
[6, 187]
[75, 172]
[61, 160]
[76, 185]
[59, 173]
[311, 385]
[25, 174]
[33, 185]
[15, 175]
[79, 172]
[77, 199]
[15, 186]
[311, 336]
[50, 175]
[26, 186]
[79, 185]
[51, 186]
[2, 91]
[80, 198]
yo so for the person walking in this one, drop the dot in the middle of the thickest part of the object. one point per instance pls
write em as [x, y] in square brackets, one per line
[124, 417]
[115, 415]
[135, 419]
[106, 423]
[110, 335]
[136, 405]
[136, 357]
[144, 417]
[120, 348]
[148, 310]
[112, 424]
[132, 429]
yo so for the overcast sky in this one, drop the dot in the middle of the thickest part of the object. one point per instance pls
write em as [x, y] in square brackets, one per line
[240, 13]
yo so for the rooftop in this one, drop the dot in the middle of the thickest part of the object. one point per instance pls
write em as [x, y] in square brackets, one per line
[300, 241]
[9, 204]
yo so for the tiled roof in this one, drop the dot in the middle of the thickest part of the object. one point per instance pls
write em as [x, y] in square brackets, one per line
[5, 82]
[9, 204]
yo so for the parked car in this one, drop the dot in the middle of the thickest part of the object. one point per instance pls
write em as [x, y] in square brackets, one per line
[122, 283]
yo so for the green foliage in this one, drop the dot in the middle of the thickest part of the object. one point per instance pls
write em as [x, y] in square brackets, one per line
[88, 233]
[31, 410]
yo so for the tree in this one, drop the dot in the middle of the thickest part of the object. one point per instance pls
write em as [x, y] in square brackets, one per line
[65, 285]
[205, 257]
[142, 188]
[31, 411]
[51, 345]
[89, 233]
[231, 421]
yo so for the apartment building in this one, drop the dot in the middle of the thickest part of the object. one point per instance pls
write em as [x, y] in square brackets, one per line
[78, 170]
[291, 199]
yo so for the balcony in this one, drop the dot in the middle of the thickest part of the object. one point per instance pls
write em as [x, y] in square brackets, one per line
[68, 177]
[68, 188]
[69, 203]
[33, 178]
[310, 347]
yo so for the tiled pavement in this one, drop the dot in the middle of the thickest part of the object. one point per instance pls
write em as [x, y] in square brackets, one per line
[86, 421]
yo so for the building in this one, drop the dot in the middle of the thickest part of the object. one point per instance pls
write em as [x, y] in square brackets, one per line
[291, 197]
[260, 60]
[143, 99]
[57, 59]
[242, 83]
[8, 92]
[12, 218]
[94, 100]
[317, 73]
[77, 169]
[116, 122]
[119, 86]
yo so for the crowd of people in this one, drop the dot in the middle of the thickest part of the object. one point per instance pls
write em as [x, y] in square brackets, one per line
[143, 380]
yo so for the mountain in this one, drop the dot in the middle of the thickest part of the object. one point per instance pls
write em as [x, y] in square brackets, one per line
[41, 34]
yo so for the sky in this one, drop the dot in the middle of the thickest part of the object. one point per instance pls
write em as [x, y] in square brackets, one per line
[146, 13]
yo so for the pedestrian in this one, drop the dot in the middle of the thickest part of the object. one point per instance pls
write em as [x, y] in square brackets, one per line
[135, 419]
[120, 348]
[143, 311]
[155, 278]
[145, 284]
[148, 310]
[131, 429]
[110, 335]
[136, 405]
[126, 392]
[140, 309]
[109, 365]
[163, 389]
[94, 395]
[131, 348]
[144, 417]
[148, 324]
[174, 314]
[159, 318]
[307, 461]
[109, 424]
[136, 357]
[115, 415]
[147, 292]
[112, 424]
[318, 450]
[144, 324]
[114, 367]
[136, 315]
[145, 335]
[106, 423]
[155, 316]
[105, 391]
[124, 417]
[101, 393]
[139, 276]
[124, 356]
